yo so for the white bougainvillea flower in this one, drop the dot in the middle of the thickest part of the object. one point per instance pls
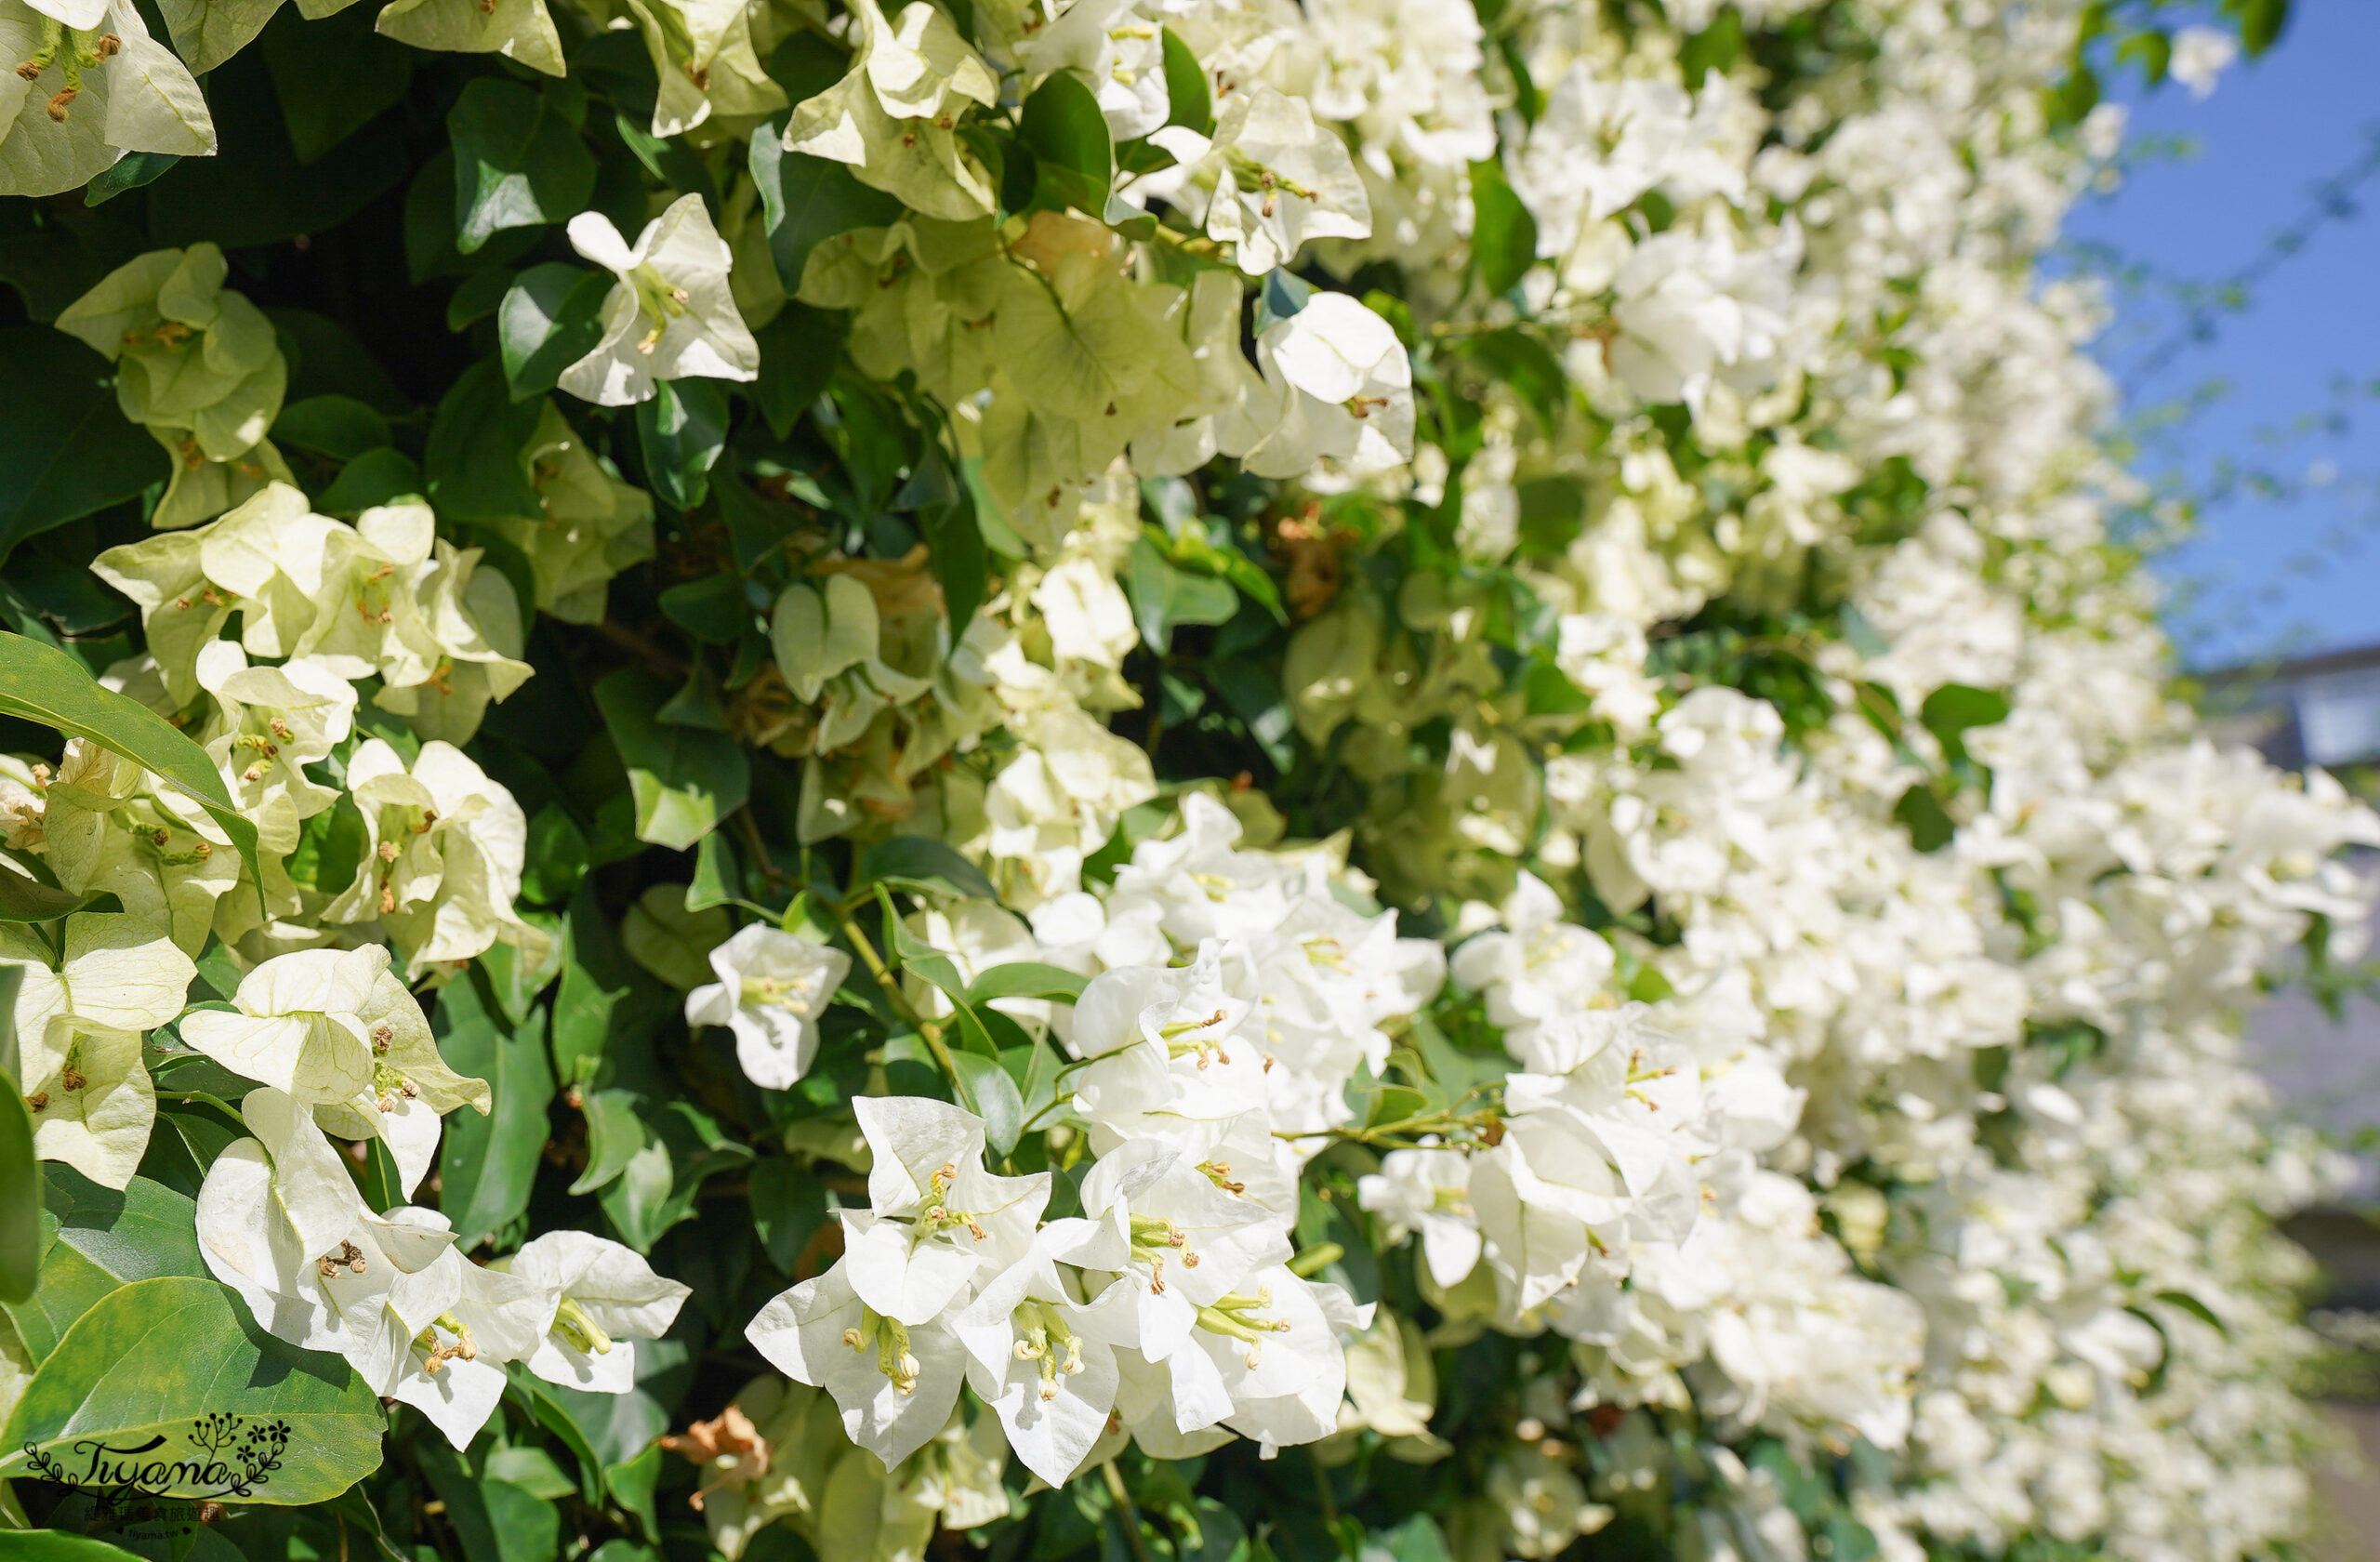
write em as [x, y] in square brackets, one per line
[445, 847]
[199, 365]
[670, 316]
[1272, 178]
[1172, 1053]
[468, 634]
[589, 1301]
[771, 988]
[893, 118]
[1345, 389]
[441, 1371]
[89, 1095]
[108, 826]
[1266, 1360]
[1176, 1237]
[1041, 1359]
[272, 722]
[935, 1216]
[1428, 1191]
[894, 1383]
[431, 1360]
[75, 99]
[703, 55]
[1537, 966]
[110, 968]
[520, 29]
[819, 631]
[193, 356]
[335, 1030]
[1116, 47]
[592, 526]
[281, 1223]
[298, 1025]
[412, 1086]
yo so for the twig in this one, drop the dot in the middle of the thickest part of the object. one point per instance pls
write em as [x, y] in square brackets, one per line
[653, 656]
[752, 829]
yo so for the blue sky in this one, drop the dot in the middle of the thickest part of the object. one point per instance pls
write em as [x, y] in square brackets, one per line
[2301, 571]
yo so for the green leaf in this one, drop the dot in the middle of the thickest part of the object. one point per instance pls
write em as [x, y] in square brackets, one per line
[1062, 127]
[788, 1207]
[487, 1164]
[806, 200]
[57, 1545]
[474, 461]
[683, 780]
[339, 427]
[1523, 363]
[69, 449]
[2260, 22]
[157, 1356]
[478, 297]
[495, 1520]
[614, 1135]
[375, 477]
[996, 1098]
[519, 160]
[533, 1470]
[631, 1482]
[20, 1187]
[798, 350]
[668, 159]
[2195, 1308]
[1191, 102]
[517, 983]
[1716, 47]
[103, 1238]
[332, 75]
[1503, 234]
[1929, 824]
[1164, 597]
[30, 900]
[526, 1388]
[325, 359]
[128, 172]
[557, 857]
[2152, 50]
[717, 879]
[919, 862]
[712, 608]
[429, 227]
[550, 318]
[1949, 710]
[48, 687]
[637, 1203]
[696, 704]
[1026, 979]
[681, 431]
[960, 562]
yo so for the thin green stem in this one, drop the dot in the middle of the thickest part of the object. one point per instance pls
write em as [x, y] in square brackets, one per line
[1126, 1514]
[900, 1000]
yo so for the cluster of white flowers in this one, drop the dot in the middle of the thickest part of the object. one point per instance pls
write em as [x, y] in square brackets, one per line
[1234, 998]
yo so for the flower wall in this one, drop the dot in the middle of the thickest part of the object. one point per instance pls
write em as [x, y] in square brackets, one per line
[1195, 779]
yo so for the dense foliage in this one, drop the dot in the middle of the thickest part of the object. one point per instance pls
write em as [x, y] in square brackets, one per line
[1196, 780]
